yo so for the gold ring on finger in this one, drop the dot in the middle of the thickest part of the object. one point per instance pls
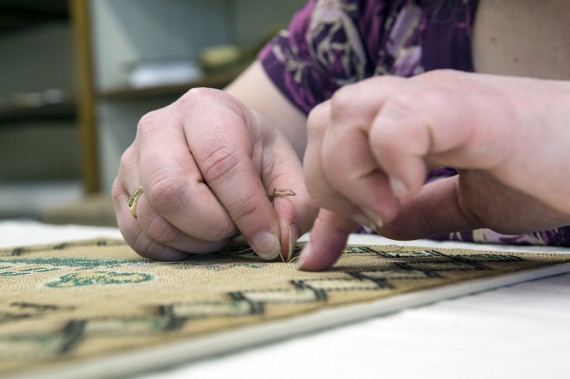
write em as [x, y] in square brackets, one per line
[133, 200]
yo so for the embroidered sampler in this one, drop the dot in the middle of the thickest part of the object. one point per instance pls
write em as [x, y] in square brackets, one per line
[66, 307]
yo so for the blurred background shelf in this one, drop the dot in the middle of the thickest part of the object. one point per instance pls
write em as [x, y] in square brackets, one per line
[40, 152]
[129, 93]
[60, 158]
[49, 112]
[16, 15]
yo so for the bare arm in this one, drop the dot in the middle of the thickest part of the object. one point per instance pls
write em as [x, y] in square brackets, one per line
[283, 115]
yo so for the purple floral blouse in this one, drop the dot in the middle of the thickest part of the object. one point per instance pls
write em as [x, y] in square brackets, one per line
[331, 43]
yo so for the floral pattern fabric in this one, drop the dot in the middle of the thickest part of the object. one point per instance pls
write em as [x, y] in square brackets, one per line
[332, 43]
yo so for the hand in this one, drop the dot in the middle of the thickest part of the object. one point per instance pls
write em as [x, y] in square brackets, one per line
[370, 147]
[207, 164]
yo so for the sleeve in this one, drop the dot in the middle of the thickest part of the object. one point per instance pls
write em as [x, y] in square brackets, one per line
[320, 51]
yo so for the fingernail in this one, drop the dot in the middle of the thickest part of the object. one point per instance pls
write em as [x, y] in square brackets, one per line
[304, 255]
[398, 187]
[266, 245]
[293, 237]
[363, 220]
[376, 219]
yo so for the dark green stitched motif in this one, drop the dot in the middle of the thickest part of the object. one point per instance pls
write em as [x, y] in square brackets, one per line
[89, 278]
[9, 271]
[76, 262]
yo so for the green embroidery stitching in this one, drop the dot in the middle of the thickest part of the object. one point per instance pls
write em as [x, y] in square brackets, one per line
[7, 271]
[76, 262]
[99, 278]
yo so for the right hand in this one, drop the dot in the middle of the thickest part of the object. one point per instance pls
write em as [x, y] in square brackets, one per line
[207, 164]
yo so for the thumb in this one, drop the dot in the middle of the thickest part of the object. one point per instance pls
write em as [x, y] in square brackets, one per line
[294, 208]
[296, 213]
[327, 241]
[435, 210]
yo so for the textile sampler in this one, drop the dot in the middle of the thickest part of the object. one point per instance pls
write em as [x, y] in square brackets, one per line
[96, 309]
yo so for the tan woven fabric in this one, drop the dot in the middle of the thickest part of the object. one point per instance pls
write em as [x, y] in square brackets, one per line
[72, 302]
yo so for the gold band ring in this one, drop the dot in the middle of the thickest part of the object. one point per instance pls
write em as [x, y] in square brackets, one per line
[133, 200]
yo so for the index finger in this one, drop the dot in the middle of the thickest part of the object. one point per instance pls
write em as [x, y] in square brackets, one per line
[327, 241]
[230, 156]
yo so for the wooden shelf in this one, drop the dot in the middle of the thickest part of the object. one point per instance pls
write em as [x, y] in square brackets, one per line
[20, 14]
[213, 81]
[49, 112]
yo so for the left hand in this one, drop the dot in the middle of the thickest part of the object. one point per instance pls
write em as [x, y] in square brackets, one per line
[370, 146]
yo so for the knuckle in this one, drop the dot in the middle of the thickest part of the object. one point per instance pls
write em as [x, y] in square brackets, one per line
[415, 106]
[150, 124]
[196, 97]
[124, 162]
[117, 191]
[440, 75]
[244, 208]
[163, 193]
[190, 98]
[400, 106]
[392, 123]
[127, 161]
[128, 155]
[318, 120]
[161, 231]
[219, 162]
[224, 231]
[219, 234]
[143, 246]
[437, 100]
[342, 101]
